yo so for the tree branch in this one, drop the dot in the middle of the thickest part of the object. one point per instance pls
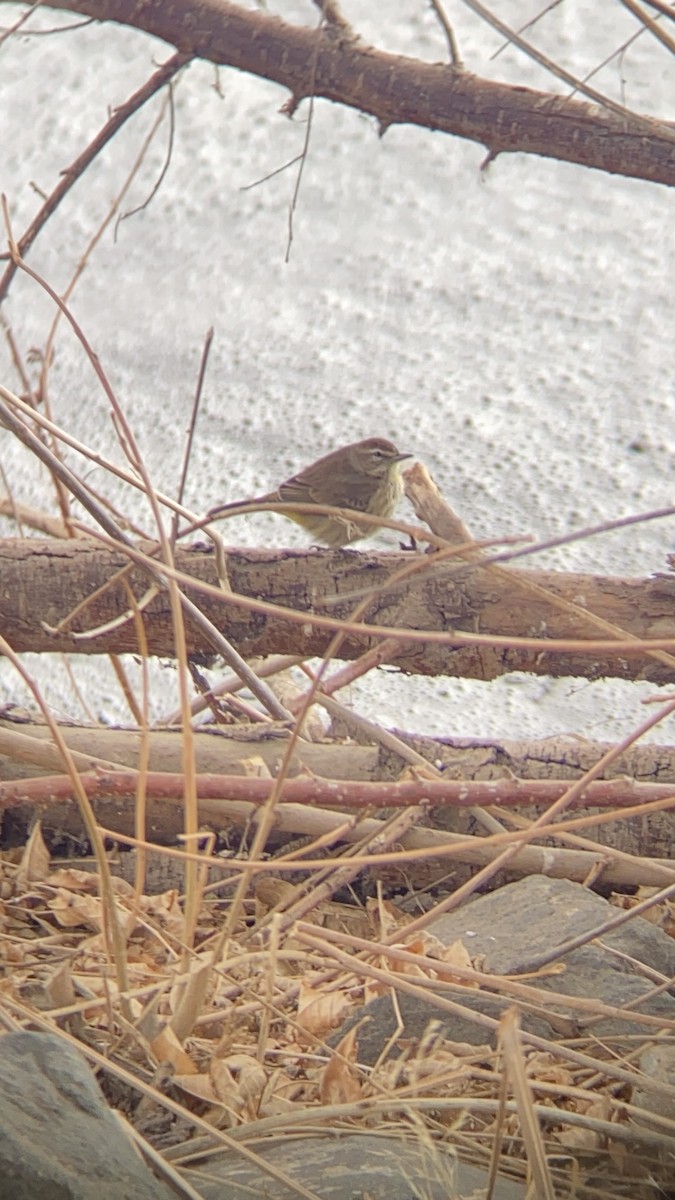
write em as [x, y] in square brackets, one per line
[399, 90]
[349, 795]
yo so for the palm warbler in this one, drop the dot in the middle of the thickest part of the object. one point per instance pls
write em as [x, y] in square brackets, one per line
[363, 476]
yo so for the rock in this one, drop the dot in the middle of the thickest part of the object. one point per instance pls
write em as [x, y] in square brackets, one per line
[58, 1138]
[60, 1141]
[342, 1166]
[511, 928]
[657, 1062]
[507, 931]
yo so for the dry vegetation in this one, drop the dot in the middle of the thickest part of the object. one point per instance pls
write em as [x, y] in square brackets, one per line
[205, 1001]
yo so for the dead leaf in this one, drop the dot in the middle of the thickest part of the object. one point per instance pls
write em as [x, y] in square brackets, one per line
[385, 917]
[167, 1049]
[319, 1012]
[199, 1086]
[340, 1084]
[239, 1082]
[187, 998]
[34, 865]
[72, 909]
[87, 881]
[456, 955]
[59, 986]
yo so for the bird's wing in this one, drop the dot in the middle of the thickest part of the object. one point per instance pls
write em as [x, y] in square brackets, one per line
[297, 491]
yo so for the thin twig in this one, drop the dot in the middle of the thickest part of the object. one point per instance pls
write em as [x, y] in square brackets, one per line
[48, 352]
[333, 16]
[165, 166]
[113, 934]
[247, 187]
[650, 24]
[528, 25]
[648, 123]
[79, 166]
[219, 642]
[120, 539]
[663, 7]
[191, 429]
[305, 147]
[21, 21]
[453, 45]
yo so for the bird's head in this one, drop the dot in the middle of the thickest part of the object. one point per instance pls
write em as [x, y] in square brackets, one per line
[375, 456]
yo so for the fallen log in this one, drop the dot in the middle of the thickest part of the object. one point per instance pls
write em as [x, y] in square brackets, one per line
[460, 618]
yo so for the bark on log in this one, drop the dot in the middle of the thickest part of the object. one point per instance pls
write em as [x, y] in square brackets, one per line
[42, 582]
[336, 64]
[31, 755]
[232, 819]
[26, 750]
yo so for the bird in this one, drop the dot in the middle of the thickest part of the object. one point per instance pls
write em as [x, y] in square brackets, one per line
[363, 476]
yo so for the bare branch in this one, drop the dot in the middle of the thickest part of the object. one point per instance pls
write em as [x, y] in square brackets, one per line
[79, 166]
[399, 90]
[649, 23]
[453, 46]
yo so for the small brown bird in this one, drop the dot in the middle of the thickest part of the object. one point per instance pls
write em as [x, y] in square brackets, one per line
[363, 476]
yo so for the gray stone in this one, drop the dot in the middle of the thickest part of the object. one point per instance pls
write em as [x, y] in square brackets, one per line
[346, 1166]
[58, 1138]
[508, 931]
[512, 926]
